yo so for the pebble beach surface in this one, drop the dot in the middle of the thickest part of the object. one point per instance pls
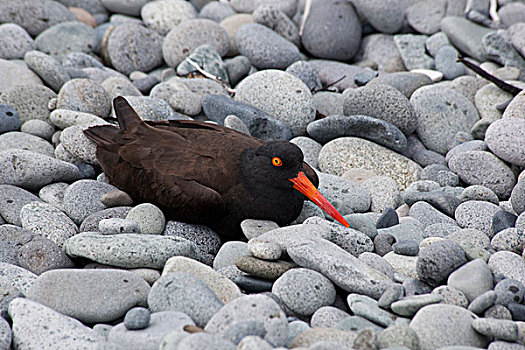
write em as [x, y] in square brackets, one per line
[424, 158]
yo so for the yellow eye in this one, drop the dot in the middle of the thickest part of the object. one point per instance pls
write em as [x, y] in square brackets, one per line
[276, 161]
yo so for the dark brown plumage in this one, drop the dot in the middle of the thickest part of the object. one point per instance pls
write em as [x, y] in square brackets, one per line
[199, 172]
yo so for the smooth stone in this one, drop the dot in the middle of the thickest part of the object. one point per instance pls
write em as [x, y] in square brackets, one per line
[405, 82]
[473, 279]
[179, 291]
[435, 42]
[150, 338]
[82, 198]
[270, 270]
[498, 47]
[224, 288]
[499, 329]
[266, 250]
[444, 201]
[235, 123]
[116, 225]
[253, 342]
[149, 108]
[116, 198]
[384, 16]
[304, 71]
[332, 31]
[78, 145]
[9, 118]
[473, 145]
[366, 307]
[406, 247]
[252, 308]
[503, 220]
[15, 75]
[371, 100]
[351, 275]
[36, 326]
[176, 45]
[328, 103]
[237, 68]
[205, 341]
[509, 291]
[279, 94]
[517, 197]
[404, 231]
[92, 222]
[163, 15]
[357, 324]
[251, 284]
[465, 35]
[137, 318]
[132, 47]
[84, 95]
[12, 200]
[412, 50]
[23, 141]
[33, 170]
[228, 254]
[384, 193]
[335, 338]
[327, 317]
[490, 172]
[503, 139]
[310, 149]
[131, 8]
[452, 109]
[338, 75]
[477, 215]
[67, 37]
[377, 262]
[437, 261]
[507, 265]
[428, 215]
[388, 218]
[259, 123]
[39, 128]
[442, 325]
[451, 296]
[408, 306]
[479, 193]
[446, 62]
[400, 337]
[72, 292]
[16, 277]
[149, 217]
[487, 99]
[231, 24]
[47, 68]
[304, 291]
[345, 153]
[216, 11]
[373, 129]
[63, 118]
[129, 250]
[28, 101]
[425, 16]
[260, 45]
[46, 220]
[403, 264]
[15, 41]
[483, 302]
[339, 190]
[441, 230]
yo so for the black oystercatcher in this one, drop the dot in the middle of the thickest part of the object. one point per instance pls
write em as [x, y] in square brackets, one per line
[205, 173]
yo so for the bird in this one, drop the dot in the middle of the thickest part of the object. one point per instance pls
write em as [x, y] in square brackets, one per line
[204, 173]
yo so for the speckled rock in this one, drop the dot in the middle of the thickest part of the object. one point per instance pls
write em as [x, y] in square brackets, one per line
[47, 68]
[384, 16]
[478, 215]
[14, 41]
[281, 95]
[188, 35]
[507, 265]
[465, 35]
[84, 95]
[164, 15]
[451, 109]
[23, 141]
[275, 19]
[15, 75]
[342, 154]
[82, 198]
[150, 218]
[67, 37]
[503, 137]
[438, 260]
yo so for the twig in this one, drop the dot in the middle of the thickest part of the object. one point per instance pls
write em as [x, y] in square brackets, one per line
[486, 75]
[493, 11]
[210, 76]
[329, 85]
[307, 6]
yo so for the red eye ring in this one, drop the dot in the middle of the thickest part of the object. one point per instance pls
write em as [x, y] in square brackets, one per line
[276, 161]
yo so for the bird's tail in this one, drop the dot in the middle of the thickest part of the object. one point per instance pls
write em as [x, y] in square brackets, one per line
[127, 118]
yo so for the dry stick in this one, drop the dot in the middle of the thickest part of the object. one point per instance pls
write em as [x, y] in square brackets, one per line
[210, 76]
[484, 74]
[329, 85]
[493, 11]
[307, 7]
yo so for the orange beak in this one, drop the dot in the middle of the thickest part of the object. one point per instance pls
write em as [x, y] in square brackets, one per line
[302, 184]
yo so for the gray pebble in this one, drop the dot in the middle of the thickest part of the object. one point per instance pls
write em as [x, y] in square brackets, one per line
[476, 214]
[275, 19]
[14, 41]
[47, 68]
[129, 250]
[91, 223]
[22, 141]
[205, 239]
[236, 332]
[398, 337]
[465, 35]
[412, 50]
[306, 73]
[264, 47]
[166, 15]
[473, 279]
[117, 225]
[366, 307]
[517, 197]
[82, 198]
[328, 317]
[437, 261]
[67, 37]
[406, 247]
[39, 128]
[408, 306]
[116, 198]
[510, 239]
[229, 253]
[237, 68]
[179, 291]
[9, 119]
[208, 58]
[84, 95]
[507, 265]
[499, 329]
[451, 296]
[446, 62]
[90, 295]
[149, 217]
[137, 318]
[483, 302]
[509, 291]
[406, 82]
[39, 254]
[216, 11]
[269, 270]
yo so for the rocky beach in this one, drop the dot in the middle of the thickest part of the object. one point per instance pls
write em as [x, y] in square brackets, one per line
[410, 111]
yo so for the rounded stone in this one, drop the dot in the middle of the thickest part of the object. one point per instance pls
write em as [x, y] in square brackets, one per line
[125, 7]
[39, 254]
[443, 325]
[281, 95]
[137, 318]
[84, 95]
[14, 41]
[264, 249]
[332, 30]
[20, 140]
[150, 218]
[473, 279]
[131, 47]
[517, 197]
[67, 37]
[216, 11]
[39, 128]
[509, 291]
[265, 48]
[477, 215]
[506, 264]
[9, 119]
[383, 102]
[231, 24]
[47, 68]
[164, 15]
[437, 261]
[483, 168]
[82, 198]
[441, 113]
[398, 336]
[187, 36]
[385, 16]
[504, 137]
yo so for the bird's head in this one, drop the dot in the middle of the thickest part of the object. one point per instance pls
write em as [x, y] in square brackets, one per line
[280, 165]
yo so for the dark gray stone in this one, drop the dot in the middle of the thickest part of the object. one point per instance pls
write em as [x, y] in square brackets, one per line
[388, 218]
[406, 247]
[260, 124]
[39, 254]
[437, 261]
[9, 119]
[370, 128]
